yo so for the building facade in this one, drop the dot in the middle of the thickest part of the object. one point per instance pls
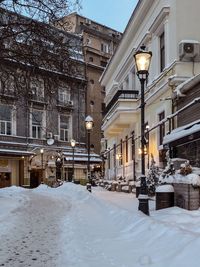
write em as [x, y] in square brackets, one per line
[99, 44]
[42, 104]
[184, 141]
[174, 41]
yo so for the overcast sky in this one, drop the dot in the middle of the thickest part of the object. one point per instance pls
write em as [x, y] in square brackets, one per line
[112, 13]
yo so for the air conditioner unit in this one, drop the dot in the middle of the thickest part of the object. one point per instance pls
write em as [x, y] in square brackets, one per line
[189, 50]
[49, 135]
[56, 137]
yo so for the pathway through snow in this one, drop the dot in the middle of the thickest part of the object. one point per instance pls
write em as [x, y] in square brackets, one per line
[34, 239]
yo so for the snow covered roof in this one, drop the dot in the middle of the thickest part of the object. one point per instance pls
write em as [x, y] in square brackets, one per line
[92, 159]
[186, 85]
[182, 131]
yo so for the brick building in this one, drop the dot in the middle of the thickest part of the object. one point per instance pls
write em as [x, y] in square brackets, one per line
[99, 44]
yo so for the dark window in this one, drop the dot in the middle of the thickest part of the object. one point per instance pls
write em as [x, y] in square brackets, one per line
[133, 145]
[161, 116]
[162, 51]
[92, 81]
[103, 106]
[114, 154]
[121, 152]
[90, 59]
[126, 148]
[103, 63]
[109, 159]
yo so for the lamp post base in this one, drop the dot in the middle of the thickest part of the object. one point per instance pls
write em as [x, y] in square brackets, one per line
[143, 204]
[143, 196]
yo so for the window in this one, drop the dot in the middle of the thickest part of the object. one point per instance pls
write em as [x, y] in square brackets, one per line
[5, 120]
[37, 89]
[126, 143]
[121, 152]
[103, 63]
[133, 145]
[91, 59]
[162, 51]
[64, 96]
[92, 81]
[37, 117]
[104, 47]
[161, 116]
[64, 127]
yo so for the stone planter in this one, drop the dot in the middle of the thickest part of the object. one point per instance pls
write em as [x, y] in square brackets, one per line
[186, 196]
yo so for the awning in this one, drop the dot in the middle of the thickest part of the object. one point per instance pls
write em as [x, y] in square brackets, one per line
[84, 159]
[186, 132]
[14, 152]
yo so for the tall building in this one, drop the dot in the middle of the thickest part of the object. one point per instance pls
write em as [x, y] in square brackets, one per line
[99, 44]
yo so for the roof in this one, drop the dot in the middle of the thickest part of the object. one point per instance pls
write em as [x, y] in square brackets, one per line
[182, 131]
[16, 152]
[187, 85]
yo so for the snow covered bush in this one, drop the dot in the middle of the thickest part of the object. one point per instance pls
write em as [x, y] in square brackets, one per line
[152, 177]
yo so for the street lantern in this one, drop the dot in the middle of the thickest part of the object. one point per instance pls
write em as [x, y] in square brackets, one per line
[73, 144]
[142, 62]
[42, 163]
[88, 125]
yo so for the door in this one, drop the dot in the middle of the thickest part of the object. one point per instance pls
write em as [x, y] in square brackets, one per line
[5, 179]
[35, 178]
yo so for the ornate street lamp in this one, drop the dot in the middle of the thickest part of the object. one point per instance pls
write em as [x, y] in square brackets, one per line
[73, 144]
[89, 125]
[42, 163]
[142, 62]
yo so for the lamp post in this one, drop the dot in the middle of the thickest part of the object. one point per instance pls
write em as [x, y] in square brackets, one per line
[42, 163]
[59, 164]
[142, 62]
[89, 125]
[73, 144]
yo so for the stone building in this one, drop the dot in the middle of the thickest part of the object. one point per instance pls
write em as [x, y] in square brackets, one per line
[42, 103]
[99, 44]
[170, 30]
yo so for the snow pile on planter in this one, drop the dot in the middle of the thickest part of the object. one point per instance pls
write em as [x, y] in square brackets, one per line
[186, 174]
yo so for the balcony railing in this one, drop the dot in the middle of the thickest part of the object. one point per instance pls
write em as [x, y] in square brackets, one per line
[121, 94]
[65, 104]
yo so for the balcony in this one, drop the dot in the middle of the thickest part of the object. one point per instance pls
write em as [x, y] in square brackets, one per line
[35, 98]
[121, 112]
[121, 95]
[65, 104]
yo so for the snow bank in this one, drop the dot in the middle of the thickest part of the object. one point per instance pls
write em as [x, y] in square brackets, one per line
[192, 178]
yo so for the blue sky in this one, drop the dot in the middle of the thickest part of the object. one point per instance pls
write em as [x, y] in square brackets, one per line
[112, 13]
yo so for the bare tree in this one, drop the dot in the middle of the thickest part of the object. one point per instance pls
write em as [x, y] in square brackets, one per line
[33, 50]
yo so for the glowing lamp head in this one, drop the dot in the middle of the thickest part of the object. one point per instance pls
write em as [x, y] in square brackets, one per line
[89, 123]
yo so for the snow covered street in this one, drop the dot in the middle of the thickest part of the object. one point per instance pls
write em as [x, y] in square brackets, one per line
[70, 227]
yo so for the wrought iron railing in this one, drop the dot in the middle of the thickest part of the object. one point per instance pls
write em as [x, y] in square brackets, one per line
[121, 94]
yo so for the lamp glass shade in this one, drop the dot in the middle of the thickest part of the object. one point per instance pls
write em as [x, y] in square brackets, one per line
[41, 150]
[142, 61]
[88, 122]
[73, 143]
